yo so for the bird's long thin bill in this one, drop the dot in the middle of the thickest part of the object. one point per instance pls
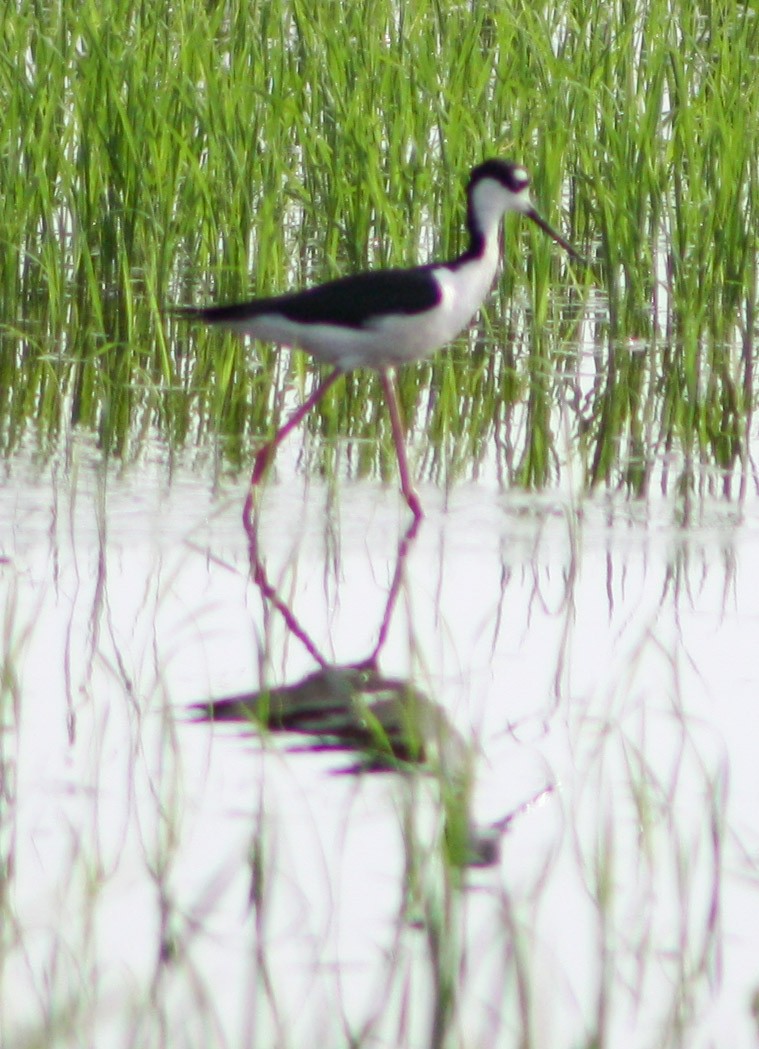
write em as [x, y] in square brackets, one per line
[540, 221]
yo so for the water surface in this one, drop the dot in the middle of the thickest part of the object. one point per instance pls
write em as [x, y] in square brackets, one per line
[184, 884]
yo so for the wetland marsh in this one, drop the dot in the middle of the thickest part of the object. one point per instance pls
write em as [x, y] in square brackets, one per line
[579, 601]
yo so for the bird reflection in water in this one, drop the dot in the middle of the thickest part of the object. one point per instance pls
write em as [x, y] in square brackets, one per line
[386, 724]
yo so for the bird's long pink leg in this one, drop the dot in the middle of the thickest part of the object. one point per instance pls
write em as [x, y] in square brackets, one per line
[395, 586]
[388, 385]
[265, 454]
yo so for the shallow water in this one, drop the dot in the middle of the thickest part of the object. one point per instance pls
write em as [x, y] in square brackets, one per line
[169, 882]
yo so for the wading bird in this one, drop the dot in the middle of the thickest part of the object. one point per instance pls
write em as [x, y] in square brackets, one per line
[385, 318]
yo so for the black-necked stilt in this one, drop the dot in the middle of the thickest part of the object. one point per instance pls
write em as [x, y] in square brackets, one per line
[385, 318]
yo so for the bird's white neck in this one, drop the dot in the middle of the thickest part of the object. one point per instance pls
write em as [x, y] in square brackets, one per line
[487, 203]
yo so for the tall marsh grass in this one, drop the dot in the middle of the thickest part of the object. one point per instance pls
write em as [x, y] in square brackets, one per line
[182, 152]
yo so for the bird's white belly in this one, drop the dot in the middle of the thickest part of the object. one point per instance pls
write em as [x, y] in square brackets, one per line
[393, 339]
[387, 342]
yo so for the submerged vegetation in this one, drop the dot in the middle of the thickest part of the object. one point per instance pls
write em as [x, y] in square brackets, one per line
[182, 152]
